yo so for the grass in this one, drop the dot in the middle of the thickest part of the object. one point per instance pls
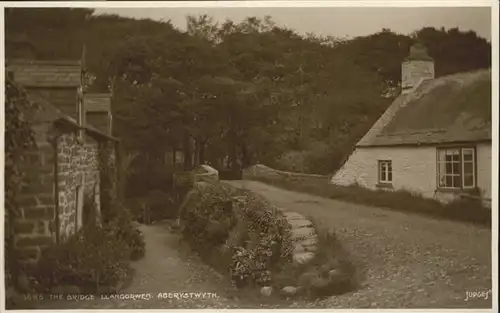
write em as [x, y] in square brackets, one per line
[464, 210]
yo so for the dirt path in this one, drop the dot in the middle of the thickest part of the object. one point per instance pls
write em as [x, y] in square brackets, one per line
[171, 276]
[408, 261]
[168, 277]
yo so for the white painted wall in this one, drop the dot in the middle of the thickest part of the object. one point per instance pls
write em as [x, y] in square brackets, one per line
[483, 155]
[414, 169]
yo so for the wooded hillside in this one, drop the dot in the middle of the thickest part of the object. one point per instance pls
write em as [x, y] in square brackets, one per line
[252, 91]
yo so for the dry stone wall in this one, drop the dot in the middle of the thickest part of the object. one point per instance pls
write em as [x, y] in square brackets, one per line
[78, 167]
[263, 171]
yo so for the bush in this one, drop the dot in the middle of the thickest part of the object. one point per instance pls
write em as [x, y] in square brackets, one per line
[91, 259]
[246, 232]
[126, 232]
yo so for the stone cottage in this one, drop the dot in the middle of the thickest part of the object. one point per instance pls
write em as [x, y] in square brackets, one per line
[65, 171]
[434, 139]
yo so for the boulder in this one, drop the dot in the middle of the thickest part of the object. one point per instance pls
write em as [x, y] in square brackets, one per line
[266, 291]
[305, 279]
[310, 241]
[320, 282]
[298, 248]
[205, 173]
[293, 216]
[300, 223]
[302, 233]
[289, 290]
[302, 257]
[337, 276]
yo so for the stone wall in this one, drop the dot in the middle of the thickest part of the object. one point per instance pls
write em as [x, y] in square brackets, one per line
[262, 171]
[35, 226]
[78, 167]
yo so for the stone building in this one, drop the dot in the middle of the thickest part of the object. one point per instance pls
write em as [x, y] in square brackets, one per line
[64, 173]
[434, 139]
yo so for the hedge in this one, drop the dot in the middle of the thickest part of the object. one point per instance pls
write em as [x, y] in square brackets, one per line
[238, 233]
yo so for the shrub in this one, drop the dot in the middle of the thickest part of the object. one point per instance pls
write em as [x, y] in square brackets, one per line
[126, 232]
[249, 234]
[92, 258]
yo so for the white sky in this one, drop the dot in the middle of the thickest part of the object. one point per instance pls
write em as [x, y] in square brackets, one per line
[335, 21]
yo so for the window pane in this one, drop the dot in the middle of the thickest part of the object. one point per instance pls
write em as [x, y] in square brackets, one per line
[442, 155]
[390, 176]
[456, 168]
[448, 168]
[453, 152]
[468, 154]
[468, 168]
[442, 169]
[468, 181]
[448, 181]
[442, 181]
[456, 181]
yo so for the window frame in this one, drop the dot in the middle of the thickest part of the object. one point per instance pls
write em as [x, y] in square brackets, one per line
[388, 169]
[462, 150]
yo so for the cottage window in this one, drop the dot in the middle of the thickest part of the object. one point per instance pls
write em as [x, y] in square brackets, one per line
[385, 172]
[456, 168]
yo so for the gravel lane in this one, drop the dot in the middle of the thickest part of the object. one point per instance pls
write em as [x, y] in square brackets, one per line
[407, 260]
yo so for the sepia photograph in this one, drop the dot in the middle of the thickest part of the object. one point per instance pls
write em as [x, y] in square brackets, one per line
[250, 156]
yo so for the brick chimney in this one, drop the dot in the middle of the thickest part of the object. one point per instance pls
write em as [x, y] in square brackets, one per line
[54, 81]
[98, 111]
[416, 67]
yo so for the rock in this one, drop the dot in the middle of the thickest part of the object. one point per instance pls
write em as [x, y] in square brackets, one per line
[205, 173]
[310, 241]
[300, 223]
[302, 233]
[335, 273]
[303, 257]
[310, 248]
[306, 278]
[320, 283]
[337, 276]
[298, 248]
[293, 216]
[289, 290]
[266, 291]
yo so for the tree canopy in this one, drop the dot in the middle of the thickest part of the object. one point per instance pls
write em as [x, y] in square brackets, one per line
[250, 91]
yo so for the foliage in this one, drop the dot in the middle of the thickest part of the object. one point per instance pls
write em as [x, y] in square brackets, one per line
[19, 139]
[91, 259]
[316, 278]
[246, 232]
[235, 93]
[125, 231]
[467, 210]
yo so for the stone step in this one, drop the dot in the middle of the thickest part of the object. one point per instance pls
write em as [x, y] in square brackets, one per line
[310, 241]
[302, 233]
[302, 257]
[300, 223]
[293, 216]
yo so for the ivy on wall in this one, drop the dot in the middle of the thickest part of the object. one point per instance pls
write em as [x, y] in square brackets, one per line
[19, 139]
